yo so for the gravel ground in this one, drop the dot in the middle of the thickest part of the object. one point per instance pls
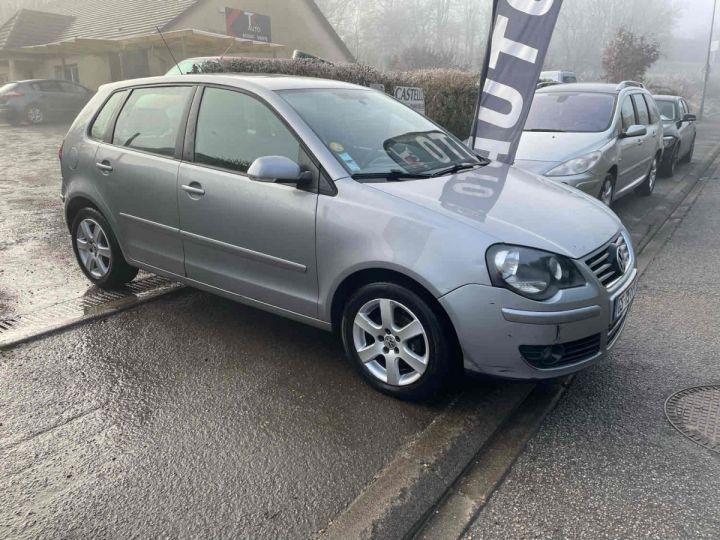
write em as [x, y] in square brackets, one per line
[606, 463]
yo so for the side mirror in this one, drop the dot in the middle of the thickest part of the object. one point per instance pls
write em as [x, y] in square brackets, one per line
[634, 131]
[689, 118]
[278, 169]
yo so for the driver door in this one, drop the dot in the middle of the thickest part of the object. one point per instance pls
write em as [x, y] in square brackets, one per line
[251, 238]
[631, 164]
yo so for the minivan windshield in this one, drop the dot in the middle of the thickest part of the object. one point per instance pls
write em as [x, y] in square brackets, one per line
[577, 112]
[375, 137]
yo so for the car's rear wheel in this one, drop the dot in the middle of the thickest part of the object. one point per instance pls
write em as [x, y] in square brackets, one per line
[34, 114]
[398, 343]
[648, 186]
[607, 190]
[98, 252]
[669, 165]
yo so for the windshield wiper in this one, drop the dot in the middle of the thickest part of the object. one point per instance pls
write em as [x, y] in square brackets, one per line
[537, 130]
[394, 175]
[459, 167]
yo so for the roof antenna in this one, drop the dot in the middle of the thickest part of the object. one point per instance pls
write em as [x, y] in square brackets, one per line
[222, 56]
[170, 51]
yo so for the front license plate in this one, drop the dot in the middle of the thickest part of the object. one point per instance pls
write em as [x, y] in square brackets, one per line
[624, 301]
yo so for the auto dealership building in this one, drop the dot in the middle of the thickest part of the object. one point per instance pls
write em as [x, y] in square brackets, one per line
[93, 42]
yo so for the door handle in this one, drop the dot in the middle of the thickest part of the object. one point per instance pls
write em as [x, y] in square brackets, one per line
[194, 188]
[104, 166]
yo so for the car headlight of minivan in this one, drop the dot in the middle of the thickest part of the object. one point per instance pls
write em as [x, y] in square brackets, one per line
[576, 165]
[531, 273]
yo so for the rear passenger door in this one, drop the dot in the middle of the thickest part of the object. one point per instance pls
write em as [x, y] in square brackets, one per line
[631, 148]
[650, 141]
[137, 165]
[252, 238]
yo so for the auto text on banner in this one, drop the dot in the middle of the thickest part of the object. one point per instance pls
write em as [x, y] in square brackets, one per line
[520, 38]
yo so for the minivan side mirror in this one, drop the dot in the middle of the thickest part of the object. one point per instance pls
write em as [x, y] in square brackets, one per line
[689, 118]
[278, 169]
[634, 131]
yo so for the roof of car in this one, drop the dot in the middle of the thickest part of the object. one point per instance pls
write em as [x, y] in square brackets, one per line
[665, 97]
[598, 88]
[271, 82]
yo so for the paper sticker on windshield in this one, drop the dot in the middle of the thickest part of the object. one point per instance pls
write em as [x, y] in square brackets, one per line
[337, 147]
[349, 161]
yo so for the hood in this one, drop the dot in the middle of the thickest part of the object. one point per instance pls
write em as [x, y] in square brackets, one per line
[515, 207]
[558, 147]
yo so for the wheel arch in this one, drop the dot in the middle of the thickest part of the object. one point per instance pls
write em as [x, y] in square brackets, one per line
[366, 276]
[75, 204]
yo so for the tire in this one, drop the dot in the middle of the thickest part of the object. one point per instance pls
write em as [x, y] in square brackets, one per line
[667, 169]
[97, 251]
[427, 345]
[607, 190]
[687, 158]
[34, 115]
[648, 186]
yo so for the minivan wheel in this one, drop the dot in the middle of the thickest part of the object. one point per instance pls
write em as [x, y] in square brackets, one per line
[668, 166]
[34, 115]
[688, 157]
[97, 251]
[648, 186]
[397, 342]
[607, 191]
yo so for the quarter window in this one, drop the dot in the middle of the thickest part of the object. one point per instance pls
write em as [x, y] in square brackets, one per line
[234, 129]
[628, 114]
[101, 125]
[642, 110]
[151, 119]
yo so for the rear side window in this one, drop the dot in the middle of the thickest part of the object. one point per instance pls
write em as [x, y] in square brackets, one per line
[48, 86]
[642, 110]
[151, 118]
[628, 114]
[101, 126]
[234, 129]
[652, 108]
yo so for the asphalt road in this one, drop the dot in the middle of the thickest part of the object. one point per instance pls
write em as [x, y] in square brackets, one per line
[606, 463]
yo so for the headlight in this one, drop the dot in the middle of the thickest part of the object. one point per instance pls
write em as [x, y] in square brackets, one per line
[668, 141]
[531, 273]
[577, 165]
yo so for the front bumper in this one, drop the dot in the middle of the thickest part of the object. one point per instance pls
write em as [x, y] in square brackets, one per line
[589, 182]
[493, 326]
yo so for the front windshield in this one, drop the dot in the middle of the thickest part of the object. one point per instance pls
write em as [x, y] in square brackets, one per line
[371, 134]
[667, 110]
[572, 112]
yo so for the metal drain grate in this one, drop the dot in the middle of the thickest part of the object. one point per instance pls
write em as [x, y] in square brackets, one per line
[695, 412]
[22, 327]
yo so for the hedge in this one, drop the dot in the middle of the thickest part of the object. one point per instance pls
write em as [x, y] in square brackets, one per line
[450, 95]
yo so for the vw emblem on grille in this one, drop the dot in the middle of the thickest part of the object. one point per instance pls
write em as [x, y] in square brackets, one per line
[622, 257]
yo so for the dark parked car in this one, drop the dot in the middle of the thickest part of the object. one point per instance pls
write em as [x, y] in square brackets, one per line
[679, 132]
[38, 101]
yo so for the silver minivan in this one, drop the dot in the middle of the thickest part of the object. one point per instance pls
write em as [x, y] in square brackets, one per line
[337, 206]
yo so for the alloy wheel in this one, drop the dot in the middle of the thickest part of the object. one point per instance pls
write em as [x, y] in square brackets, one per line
[606, 192]
[35, 115]
[391, 342]
[93, 248]
[652, 177]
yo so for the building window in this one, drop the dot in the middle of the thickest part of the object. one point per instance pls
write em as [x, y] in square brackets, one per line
[68, 72]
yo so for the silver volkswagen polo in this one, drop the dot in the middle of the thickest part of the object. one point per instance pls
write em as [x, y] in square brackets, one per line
[335, 205]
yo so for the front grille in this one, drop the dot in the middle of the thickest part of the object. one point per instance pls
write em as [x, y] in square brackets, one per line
[605, 264]
[561, 354]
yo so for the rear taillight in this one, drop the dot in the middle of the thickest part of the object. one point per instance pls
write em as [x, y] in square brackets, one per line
[12, 94]
[60, 150]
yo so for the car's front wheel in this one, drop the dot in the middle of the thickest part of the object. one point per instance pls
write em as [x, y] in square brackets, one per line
[34, 115]
[607, 190]
[648, 186]
[98, 252]
[398, 343]
[670, 164]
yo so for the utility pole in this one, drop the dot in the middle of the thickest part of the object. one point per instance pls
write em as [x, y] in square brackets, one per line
[707, 63]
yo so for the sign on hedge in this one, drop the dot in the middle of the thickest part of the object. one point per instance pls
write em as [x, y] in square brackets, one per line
[412, 96]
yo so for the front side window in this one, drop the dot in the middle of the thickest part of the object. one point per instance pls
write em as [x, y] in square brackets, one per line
[372, 135]
[652, 109]
[627, 112]
[571, 112]
[642, 110]
[151, 119]
[234, 129]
